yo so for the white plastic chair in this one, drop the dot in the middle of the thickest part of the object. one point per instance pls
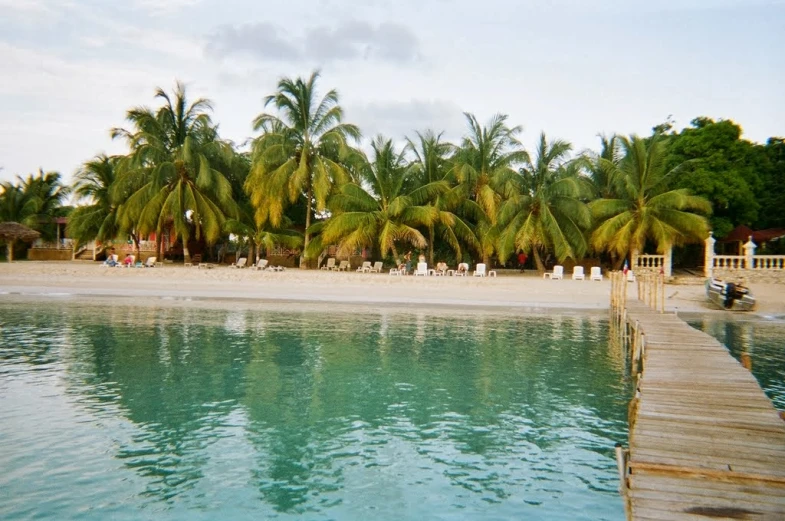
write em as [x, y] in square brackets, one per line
[596, 273]
[480, 271]
[422, 269]
[377, 267]
[463, 269]
[240, 263]
[366, 267]
[578, 274]
[150, 262]
[330, 264]
[558, 273]
[261, 265]
[343, 266]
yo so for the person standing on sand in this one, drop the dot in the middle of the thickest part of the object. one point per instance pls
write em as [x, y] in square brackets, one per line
[408, 260]
[521, 260]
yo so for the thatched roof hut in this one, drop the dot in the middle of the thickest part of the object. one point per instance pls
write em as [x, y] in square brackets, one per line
[10, 232]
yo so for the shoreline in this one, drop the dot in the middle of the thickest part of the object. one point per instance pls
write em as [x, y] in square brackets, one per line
[511, 291]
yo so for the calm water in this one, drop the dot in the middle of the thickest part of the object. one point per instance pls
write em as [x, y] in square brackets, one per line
[762, 340]
[169, 413]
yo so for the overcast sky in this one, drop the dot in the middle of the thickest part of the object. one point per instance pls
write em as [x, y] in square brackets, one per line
[70, 69]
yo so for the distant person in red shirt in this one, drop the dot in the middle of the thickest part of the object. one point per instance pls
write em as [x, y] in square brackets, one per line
[521, 260]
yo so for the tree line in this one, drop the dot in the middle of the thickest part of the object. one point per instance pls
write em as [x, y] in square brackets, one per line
[305, 183]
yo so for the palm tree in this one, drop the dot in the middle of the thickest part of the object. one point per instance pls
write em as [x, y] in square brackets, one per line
[484, 169]
[548, 211]
[172, 170]
[96, 220]
[601, 165]
[45, 195]
[265, 236]
[304, 151]
[644, 208]
[385, 214]
[431, 164]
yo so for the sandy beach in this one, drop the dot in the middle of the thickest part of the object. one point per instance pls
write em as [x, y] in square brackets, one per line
[511, 290]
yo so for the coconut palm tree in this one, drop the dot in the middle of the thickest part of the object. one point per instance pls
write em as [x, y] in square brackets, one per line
[385, 215]
[547, 212]
[45, 195]
[94, 183]
[600, 166]
[484, 168]
[302, 150]
[265, 236]
[645, 208]
[432, 164]
[172, 170]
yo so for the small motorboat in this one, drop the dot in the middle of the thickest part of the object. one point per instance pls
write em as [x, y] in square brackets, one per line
[729, 295]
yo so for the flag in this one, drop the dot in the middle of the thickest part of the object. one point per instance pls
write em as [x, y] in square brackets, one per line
[626, 267]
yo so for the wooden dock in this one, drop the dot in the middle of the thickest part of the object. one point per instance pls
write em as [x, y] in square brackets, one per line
[705, 441]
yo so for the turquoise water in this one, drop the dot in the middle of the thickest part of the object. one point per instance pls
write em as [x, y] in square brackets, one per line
[167, 413]
[761, 339]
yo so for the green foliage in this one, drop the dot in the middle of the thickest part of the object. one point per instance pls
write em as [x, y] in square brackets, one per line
[35, 201]
[96, 220]
[646, 208]
[772, 193]
[725, 169]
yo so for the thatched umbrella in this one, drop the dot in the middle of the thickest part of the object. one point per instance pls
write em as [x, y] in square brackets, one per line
[10, 232]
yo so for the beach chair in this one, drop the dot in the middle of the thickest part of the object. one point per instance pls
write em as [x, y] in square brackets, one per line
[149, 263]
[240, 263]
[441, 269]
[261, 265]
[129, 264]
[377, 267]
[463, 269]
[596, 273]
[577, 273]
[343, 266]
[366, 267]
[330, 264]
[422, 269]
[557, 273]
[479, 271]
[110, 261]
[395, 271]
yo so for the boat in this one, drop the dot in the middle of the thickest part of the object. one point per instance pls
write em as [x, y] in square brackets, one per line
[729, 295]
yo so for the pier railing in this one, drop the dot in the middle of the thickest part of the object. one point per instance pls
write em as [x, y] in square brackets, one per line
[755, 268]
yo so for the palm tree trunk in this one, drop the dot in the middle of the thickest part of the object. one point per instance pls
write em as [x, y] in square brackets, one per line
[538, 262]
[10, 250]
[186, 253]
[430, 244]
[395, 255]
[303, 264]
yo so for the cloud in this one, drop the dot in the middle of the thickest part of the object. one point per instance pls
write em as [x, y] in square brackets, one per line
[347, 41]
[397, 119]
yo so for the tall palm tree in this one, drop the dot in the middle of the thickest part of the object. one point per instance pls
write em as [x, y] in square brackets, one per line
[174, 153]
[94, 183]
[484, 167]
[431, 164]
[645, 208]
[384, 215]
[303, 150]
[601, 166]
[548, 211]
[45, 197]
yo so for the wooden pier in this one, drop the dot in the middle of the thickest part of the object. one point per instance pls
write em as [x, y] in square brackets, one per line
[705, 441]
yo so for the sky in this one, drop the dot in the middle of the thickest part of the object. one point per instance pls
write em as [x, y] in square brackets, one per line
[70, 69]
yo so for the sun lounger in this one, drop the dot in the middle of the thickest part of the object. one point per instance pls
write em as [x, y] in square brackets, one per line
[558, 273]
[240, 263]
[422, 269]
[463, 269]
[395, 271]
[577, 273]
[596, 273]
[127, 264]
[376, 268]
[343, 266]
[261, 265]
[479, 271]
[330, 264]
[149, 263]
[110, 262]
[366, 267]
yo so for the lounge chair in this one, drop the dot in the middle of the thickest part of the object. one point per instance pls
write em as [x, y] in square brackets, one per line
[343, 266]
[330, 264]
[240, 263]
[110, 262]
[150, 262]
[395, 271]
[577, 273]
[463, 269]
[596, 273]
[441, 269]
[366, 267]
[479, 271]
[422, 269]
[127, 264]
[558, 273]
[261, 265]
[377, 267]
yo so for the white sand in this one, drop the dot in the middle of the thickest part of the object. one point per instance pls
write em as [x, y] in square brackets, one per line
[511, 290]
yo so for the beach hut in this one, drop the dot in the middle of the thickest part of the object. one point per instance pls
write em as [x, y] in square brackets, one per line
[10, 232]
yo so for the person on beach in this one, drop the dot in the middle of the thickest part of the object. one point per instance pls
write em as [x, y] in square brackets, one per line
[408, 262]
[521, 260]
[461, 268]
[110, 259]
[128, 261]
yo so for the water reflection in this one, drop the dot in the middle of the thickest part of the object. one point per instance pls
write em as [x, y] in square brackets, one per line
[478, 409]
